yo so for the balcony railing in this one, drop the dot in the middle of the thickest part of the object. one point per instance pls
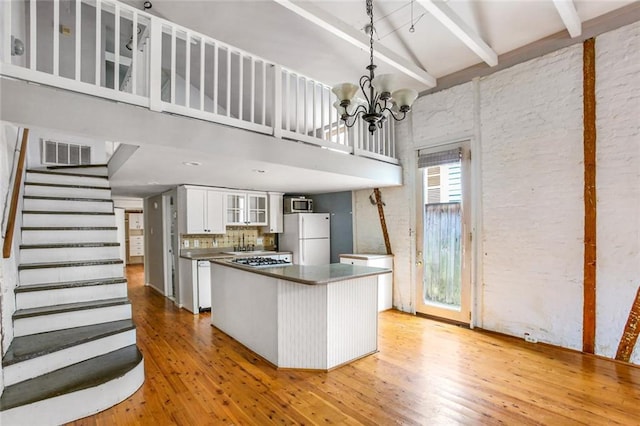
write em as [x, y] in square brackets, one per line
[108, 49]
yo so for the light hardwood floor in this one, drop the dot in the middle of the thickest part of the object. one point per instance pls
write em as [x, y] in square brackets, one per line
[425, 373]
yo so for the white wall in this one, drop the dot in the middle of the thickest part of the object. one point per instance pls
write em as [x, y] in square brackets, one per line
[34, 158]
[8, 267]
[525, 124]
[618, 184]
[533, 215]
[128, 203]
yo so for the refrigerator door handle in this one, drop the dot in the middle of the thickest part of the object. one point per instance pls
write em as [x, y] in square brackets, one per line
[302, 253]
[302, 227]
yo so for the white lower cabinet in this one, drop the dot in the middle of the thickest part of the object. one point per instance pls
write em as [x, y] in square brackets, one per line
[385, 282]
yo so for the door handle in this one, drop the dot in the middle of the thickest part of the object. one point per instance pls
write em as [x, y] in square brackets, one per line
[419, 263]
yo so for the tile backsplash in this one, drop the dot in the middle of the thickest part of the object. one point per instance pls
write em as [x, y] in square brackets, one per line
[233, 238]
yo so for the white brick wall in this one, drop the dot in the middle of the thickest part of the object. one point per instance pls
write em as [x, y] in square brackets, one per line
[618, 183]
[530, 133]
[533, 214]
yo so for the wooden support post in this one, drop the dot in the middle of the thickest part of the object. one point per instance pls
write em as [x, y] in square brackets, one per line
[631, 331]
[589, 105]
[383, 223]
[15, 196]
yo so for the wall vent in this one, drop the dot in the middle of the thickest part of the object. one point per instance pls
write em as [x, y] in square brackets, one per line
[67, 154]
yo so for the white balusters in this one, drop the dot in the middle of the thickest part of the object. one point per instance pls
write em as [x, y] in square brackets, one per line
[133, 72]
[202, 69]
[173, 65]
[116, 49]
[33, 27]
[56, 37]
[216, 71]
[237, 94]
[78, 49]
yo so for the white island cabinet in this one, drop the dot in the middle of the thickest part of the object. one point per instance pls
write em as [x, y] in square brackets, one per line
[308, 317]
[385, 284]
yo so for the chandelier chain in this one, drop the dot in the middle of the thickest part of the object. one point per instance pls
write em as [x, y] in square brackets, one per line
[370, 13]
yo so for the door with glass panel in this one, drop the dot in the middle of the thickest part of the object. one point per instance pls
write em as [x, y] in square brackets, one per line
[444, 239]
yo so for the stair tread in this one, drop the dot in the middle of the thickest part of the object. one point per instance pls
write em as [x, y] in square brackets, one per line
[69, 307]
[51, 172]
[66, 263]
[67, 245]
[43, 197]
[35, 345]
[61, 212]
[68, 228]
[83, 375]
[66, 185]
[68, 284]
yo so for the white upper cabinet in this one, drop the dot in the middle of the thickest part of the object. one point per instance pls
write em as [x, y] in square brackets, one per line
[275, 213]
[205, 211]
[136, 221]
[247, 209]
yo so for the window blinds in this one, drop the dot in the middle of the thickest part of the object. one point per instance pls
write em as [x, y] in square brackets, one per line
[438, 158]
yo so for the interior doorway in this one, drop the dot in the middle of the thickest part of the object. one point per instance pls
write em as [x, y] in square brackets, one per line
[443, 254]
[170, 242]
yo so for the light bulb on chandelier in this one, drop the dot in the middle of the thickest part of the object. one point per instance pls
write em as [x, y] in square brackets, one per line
[381, 101]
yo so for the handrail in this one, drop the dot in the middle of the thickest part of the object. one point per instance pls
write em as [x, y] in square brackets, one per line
[15, 196]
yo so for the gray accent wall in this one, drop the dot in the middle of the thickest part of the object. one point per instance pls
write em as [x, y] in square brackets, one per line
[338, 204]
[154, 244]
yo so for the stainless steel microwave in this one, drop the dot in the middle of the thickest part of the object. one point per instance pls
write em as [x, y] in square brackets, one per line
[298, 205]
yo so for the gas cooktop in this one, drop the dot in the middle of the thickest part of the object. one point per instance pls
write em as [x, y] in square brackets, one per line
[261, 262]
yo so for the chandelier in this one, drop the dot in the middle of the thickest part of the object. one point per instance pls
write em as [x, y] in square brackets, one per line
[379, 103]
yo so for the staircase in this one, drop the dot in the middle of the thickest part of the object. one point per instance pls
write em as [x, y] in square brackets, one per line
[74, 350]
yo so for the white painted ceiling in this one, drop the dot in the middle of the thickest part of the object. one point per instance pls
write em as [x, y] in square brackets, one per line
[272, 31]
[268, 29]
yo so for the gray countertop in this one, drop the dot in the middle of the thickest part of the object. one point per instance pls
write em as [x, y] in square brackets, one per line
[311, 274]
[213, 254]
[203, 255]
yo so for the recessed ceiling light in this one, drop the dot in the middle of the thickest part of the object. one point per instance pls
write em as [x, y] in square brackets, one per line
[192, 163]
[258, 171]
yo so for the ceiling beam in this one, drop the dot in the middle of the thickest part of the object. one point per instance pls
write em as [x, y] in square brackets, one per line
[569, 15]
[339, 28]
[460, 29]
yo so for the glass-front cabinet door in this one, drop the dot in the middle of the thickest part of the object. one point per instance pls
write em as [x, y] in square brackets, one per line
[236, 209]
[245, 209]
[257, 212]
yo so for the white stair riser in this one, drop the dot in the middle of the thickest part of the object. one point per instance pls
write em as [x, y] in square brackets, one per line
[72, 406]
[68, 254]
[44, 323]
[67, 206]
[66, 180]
[76, 273]
[47, 363]
[36, 299]
[61, 191]
[69, 236]
[29, 219]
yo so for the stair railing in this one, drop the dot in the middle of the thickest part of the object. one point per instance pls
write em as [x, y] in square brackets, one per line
[15, 196]
[109, 49]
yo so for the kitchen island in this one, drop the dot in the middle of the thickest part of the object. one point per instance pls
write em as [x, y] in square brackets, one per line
[309, 317]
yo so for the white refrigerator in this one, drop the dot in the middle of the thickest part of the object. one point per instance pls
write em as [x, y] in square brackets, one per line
[306, 235]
